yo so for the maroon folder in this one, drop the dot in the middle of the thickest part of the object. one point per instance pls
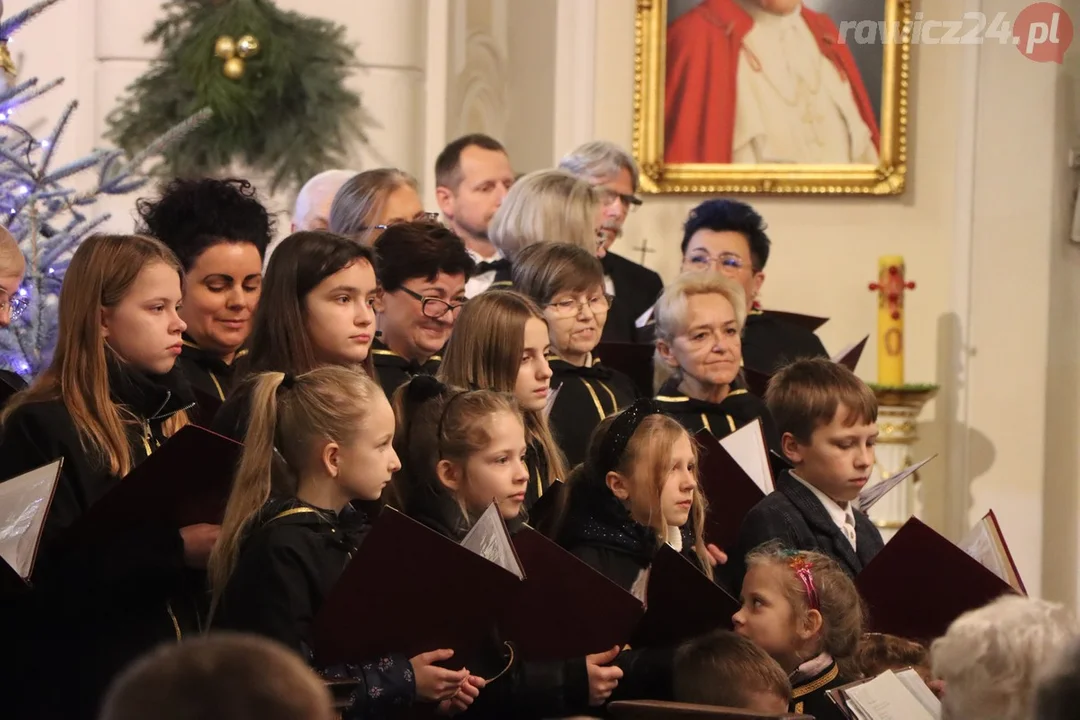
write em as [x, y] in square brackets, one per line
[681, 603]
[544, 513]
[184, 482]
[564, 608]
[410, 590]
[635, 360]
[729, 491]
[810, 322]
[920, 582]
[850, 357]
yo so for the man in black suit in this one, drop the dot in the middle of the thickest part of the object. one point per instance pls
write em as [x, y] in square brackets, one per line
[613, 171]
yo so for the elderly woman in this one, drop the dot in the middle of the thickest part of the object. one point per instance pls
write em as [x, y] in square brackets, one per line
[567, 284]
[699, 323]
[547, 206]
[993, 659]
[372, 201]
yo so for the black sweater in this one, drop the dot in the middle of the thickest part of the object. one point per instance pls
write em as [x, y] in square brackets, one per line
[96, 608]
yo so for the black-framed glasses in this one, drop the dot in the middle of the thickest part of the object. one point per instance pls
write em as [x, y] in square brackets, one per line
[609, 196]
[418, 217]
[571, 307]
[433, 307]
[723, 261]
[18, 303]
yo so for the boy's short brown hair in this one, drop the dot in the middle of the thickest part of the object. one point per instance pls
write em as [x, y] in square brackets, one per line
[806, 394]
[227, 675]
[726, 669]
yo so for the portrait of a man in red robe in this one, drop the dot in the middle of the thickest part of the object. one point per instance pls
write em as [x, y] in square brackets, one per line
[765, 81]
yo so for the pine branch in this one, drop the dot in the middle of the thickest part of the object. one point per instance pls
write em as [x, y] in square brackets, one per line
[15, 22]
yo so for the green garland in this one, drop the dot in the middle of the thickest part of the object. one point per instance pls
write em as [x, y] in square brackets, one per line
[288, 115]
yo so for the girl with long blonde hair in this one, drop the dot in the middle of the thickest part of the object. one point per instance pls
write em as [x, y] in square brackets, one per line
[109, 398]
[290, 529]
[500, 343]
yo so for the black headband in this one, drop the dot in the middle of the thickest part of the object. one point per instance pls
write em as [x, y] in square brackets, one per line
[622, 429]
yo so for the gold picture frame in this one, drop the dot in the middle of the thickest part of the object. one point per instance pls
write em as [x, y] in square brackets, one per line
[887, 177]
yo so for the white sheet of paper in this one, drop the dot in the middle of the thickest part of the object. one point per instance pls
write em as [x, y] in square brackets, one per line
[870, 495]
[922, 692]
[490, 539]
[23, 502]
[747, 447]
[887, 698]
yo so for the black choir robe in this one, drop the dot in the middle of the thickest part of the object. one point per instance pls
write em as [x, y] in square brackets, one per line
[586, 395]
[721, 419]
[393, 370]
[636, 289]
[93, 610]
[537, 463]
[210, 377]
[10, 383]
[504, 279]
[809, 698]
[769, 343]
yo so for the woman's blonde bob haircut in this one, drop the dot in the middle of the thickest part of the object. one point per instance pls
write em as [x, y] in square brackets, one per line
[546, 206]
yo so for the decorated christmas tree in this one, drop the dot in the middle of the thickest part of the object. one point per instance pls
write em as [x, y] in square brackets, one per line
[46, 215]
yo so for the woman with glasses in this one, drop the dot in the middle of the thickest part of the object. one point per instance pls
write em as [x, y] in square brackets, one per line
[567, 283]
[699, 322]
[729, 237]
[546, 206]
[12, 303]
[372, 201]
[423, 268]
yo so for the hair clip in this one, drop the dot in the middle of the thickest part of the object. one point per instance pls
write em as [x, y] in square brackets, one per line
[622, 429]
[288, 381]
[804, 570]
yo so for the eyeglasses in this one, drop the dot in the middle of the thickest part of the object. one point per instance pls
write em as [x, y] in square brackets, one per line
[431, 307]
[17, 303]
[724, 261]
[419, 217]
[571, 307]
[609, 196]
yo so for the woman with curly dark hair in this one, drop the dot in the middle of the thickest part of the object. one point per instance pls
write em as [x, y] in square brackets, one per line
[219, 230]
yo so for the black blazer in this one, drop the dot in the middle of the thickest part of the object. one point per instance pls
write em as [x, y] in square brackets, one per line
[586, 395]
[636, 289]
[794, 515]
[769, 343]
[809, 698]
[95, 609]
[393, 371]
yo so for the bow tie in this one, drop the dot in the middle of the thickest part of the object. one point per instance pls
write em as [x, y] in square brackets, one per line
[496, 265]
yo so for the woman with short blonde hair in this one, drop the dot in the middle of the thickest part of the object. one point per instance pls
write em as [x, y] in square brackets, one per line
[699, 323]
[547, 206]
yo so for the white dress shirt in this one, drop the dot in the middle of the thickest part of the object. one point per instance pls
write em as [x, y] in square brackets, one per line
[479, 283]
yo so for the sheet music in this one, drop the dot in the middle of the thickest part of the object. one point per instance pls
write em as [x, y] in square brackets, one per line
[24, 501]
[490, 539]
[917, 687]
[870, 495]
[979, 544]
[747, 447]
[887, 698]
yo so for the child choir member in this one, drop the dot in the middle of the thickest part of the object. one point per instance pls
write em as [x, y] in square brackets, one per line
[803, 609]
[827, 417]
[699, 321]
[219, 231]
[567, 283]
[109, 398]
[12, 272]
[423, 268]
[317, 308]
[726, 669]
[500, 343]
[460, 449]
[281, 552]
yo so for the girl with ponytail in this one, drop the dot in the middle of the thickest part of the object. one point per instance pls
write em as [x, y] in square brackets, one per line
[315, 443]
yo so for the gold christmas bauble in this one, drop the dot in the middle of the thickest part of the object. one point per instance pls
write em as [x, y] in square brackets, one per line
[247, 46]
[234, 68]
[225, 47]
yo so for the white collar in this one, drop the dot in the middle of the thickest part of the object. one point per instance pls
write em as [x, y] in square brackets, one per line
[766, 19]
[839, 515]
[477, 257]
[674, 537]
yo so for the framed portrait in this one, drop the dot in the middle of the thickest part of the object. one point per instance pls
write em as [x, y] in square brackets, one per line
[772, 96]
